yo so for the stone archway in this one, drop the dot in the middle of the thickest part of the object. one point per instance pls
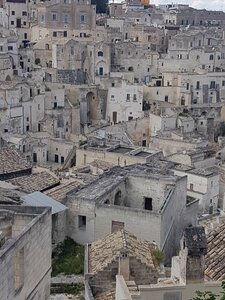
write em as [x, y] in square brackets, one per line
[117, 199]
[8, 78]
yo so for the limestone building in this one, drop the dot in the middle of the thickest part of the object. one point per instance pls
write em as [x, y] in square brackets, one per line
[25, 252]
[139, 198]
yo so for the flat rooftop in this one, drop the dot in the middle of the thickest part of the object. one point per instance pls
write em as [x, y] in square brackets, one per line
[143, 154]
[122, 150]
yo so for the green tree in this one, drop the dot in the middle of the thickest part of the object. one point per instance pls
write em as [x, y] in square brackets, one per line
[210, 295]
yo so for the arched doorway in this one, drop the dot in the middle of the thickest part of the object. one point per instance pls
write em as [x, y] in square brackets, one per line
[117, 199]
[8, 78]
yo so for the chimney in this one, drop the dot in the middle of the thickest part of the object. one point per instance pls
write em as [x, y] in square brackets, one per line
[194, 248]
[124, 265]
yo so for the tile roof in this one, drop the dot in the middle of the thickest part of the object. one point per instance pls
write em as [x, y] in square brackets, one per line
[215, 257]
[12, 161]
[35, 182]
[59, 192]
[103, 252]
[108, 295]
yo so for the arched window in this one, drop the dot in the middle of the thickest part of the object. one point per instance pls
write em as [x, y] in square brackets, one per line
[100, 53]
[117, 200]
[131, 69]
[46, 46]
[211, 57]
[107, 201]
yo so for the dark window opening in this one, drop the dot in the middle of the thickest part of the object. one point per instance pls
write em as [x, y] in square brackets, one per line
[82, 222]
[148, 203]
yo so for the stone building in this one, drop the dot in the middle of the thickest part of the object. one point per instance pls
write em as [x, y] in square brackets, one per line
[117, 155]
[118, 253]
[124, 103]
[187, 273]
[65, 18]
[25, 252]
[138, 198]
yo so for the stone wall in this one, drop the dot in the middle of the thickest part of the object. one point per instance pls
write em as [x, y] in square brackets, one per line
[33, 245]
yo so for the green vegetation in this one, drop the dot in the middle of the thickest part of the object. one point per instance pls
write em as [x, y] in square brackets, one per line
[209, 295]
[68, 258]
[158, 255]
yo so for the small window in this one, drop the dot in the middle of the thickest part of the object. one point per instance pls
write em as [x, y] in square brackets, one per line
[148, 203]
[128, 97]
[211, 57]
[24, 13]
[54, 17]
[12, 22]
[112, 97]
[134, 97]
[13, 13]
[65, 33]
[197, 85]
[25, 36]
[166, 98]
[39, 106]
[100, 53]
[82, 222]
[113, 84]
[54, 34]
[82, 19]
[10, 48]
[191, 186]
[223, 83]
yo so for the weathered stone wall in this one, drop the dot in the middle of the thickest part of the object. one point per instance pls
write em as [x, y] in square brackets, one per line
[35, 243]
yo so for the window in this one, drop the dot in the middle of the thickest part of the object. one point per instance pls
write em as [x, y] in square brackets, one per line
[100, 53]
[13, 13]
[113, 84]
[116, 226]
[187, 87]
[62, 159]
[82, 222]
[223, 83]
[112, 97]
[25, 35]
[212, 85]
[211, 57]
[27, 119]
[72, 50]
[19, 269]
[135, 97]
[24, 13]
[12, 22]
[166, 98]
[148, 203]
[42, 18]
[28, 128]
[65, 33]
[55, 104]
[82, 19]
[54, 34]
[197, 85]
[54, 17]
[128, 97]
[101, 71]
[10, 48]
[65, 19]
[191, 186]
[24, 23]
